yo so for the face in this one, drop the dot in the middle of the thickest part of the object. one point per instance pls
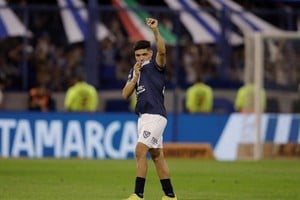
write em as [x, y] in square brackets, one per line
[143, 55]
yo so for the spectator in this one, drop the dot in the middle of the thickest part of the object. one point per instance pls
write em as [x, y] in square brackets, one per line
[199, 97]
[191, 62]
[40, 99]
[244, 101]
[81, 96]
[123, 63]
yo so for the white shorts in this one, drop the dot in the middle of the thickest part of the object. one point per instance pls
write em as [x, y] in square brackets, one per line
[150, 130]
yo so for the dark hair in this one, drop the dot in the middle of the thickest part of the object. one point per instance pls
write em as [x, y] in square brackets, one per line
[142, 44]
[199, 78]
[77, 75]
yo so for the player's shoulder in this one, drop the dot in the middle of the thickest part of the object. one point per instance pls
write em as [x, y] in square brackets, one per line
[157, 66]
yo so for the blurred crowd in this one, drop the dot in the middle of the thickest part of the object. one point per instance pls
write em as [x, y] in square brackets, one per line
[47, 59]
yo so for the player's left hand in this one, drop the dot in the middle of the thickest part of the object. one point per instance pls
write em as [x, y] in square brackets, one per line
[152, 23]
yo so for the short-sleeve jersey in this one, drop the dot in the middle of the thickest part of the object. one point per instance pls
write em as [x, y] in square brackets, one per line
[150, 89]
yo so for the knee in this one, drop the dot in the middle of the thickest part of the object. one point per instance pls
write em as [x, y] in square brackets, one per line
[141, 150]
[155, 154]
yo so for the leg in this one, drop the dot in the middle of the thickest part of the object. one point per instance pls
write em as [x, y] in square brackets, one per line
[141, 151]
[163, 172]
[160, 163]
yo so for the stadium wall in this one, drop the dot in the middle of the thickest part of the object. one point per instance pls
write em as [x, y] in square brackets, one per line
[113, 135]
[17, 101]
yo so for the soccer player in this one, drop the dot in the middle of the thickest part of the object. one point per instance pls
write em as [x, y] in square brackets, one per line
[147, 78]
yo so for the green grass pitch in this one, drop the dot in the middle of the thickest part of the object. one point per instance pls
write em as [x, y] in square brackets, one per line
[76, 179]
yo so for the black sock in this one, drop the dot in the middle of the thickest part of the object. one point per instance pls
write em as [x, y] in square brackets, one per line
[167, 187]
[139, 186]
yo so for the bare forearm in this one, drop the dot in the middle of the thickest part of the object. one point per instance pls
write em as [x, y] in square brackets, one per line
[129, 88]
[160, 43]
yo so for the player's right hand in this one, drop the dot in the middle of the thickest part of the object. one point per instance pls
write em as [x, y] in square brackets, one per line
[137, 69]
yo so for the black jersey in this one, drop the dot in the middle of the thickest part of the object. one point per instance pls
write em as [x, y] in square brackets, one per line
[150, 89]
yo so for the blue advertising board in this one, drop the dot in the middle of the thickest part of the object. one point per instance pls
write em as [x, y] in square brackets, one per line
[114, 135]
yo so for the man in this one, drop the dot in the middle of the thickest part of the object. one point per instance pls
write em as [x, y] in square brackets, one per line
[147, 79]
[81, 96]
[199, 98]
[40, 99]
[244, 101]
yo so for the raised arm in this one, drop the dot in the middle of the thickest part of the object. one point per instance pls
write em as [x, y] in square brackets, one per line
[159, 41]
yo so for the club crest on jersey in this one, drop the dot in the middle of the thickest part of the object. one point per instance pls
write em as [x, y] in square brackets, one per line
[146, 134]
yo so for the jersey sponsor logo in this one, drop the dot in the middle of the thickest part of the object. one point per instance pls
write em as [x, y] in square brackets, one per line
[140, 89]
[146, 134]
